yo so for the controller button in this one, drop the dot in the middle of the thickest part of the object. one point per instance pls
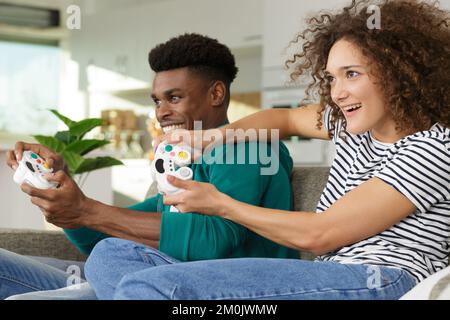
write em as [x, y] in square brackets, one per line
[38, 161]
[159, 165]
[168, 148]
[34, 156]
[185, 172]
[30, 166]
[182, 155]
[45, 165]
[172, 154]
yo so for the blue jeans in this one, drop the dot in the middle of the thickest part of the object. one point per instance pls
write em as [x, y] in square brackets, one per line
[24, 274]
[82, 291]
[121, 269]
[118, 250]
[113, 258]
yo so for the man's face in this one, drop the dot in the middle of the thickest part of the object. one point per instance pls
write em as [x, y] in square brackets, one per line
[181, 97]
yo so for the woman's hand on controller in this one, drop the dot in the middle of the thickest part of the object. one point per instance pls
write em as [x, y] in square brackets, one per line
[53, 159]
[198, 140]
[177, 136]
[199, 197]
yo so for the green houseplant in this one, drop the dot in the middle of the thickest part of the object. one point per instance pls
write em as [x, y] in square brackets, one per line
[72, 147]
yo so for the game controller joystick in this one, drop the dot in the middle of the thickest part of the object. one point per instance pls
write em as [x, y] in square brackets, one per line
[32, 169]
[171, 160]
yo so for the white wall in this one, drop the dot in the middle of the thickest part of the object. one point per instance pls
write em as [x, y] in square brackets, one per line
[115, 39]
[282, 21]
[120, 40]
[249, 62]
[445, 4]
[16, 210]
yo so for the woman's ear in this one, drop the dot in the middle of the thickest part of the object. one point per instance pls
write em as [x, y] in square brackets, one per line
[217, 93]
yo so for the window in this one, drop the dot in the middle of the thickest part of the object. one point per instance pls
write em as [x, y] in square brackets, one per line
[29, 84]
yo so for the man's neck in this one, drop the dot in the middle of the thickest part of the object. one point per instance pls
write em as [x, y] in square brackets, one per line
[218, 124]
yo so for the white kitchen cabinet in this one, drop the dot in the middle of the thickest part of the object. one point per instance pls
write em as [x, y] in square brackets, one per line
[118, 41]
[236, 23]
[131, 182]
[283, 20]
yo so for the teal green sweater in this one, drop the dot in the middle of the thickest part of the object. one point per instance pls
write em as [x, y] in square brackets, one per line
[193, 236]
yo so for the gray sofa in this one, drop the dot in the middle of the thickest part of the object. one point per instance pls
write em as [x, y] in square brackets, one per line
[307, 182]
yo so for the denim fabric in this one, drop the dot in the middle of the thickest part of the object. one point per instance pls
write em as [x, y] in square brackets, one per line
[82, 291]
[21, 274]
[113, 258]
[121, 269]
[260, 279]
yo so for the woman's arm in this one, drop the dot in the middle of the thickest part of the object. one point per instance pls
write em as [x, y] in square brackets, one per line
[354, 217]
[289, 122]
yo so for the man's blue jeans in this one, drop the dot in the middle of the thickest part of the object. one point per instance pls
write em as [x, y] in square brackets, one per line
[113, 258]
[22, 274]
[121, 269]
[55, 280]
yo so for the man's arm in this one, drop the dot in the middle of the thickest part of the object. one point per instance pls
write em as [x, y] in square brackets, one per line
[69, 208]
[85, 238]
[123, 223]
[56, 205]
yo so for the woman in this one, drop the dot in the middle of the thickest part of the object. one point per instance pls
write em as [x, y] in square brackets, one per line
[384, 219]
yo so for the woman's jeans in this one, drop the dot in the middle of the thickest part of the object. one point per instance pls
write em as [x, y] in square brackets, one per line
[122, 269]
[22, 274]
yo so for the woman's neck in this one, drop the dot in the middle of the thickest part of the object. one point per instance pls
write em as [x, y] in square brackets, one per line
[389, 135]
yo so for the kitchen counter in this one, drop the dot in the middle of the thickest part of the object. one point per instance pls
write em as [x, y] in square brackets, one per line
[8, 140]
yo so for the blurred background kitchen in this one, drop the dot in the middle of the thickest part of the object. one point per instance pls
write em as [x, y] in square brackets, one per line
[88, 58]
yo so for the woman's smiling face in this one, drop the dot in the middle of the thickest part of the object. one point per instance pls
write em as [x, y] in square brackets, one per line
[355, 91]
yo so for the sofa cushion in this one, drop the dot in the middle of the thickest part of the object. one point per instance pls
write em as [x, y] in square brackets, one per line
[435, 287]
[308, 184]
[39, 243]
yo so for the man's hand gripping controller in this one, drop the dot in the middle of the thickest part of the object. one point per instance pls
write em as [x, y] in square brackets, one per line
[32, 169]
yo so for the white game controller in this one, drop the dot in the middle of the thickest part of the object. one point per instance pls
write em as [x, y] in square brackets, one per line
[32, 169]
[171, 160]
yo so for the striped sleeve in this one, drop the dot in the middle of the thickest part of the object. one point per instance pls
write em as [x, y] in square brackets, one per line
[327, 123]
[420, 171]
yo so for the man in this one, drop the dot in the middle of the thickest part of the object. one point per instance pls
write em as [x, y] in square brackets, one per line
[192, 83]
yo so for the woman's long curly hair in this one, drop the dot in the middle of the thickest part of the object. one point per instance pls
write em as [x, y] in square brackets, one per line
[410, 55]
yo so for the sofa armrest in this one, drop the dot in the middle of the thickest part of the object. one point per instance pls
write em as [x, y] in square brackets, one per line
[39, 243]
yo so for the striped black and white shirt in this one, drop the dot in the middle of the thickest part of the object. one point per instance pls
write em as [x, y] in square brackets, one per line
[418, 166]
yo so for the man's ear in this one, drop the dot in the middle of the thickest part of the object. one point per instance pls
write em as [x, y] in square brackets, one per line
[217, 93]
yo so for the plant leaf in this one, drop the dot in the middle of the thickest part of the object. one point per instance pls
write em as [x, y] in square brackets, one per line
[65, 137]
[73, 161]
[80, 128]
[84, 146]
[97, 163]
[51, 142]
[64, 119]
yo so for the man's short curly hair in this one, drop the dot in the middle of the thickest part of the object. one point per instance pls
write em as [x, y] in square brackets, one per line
[201, 54]
[410, 55]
